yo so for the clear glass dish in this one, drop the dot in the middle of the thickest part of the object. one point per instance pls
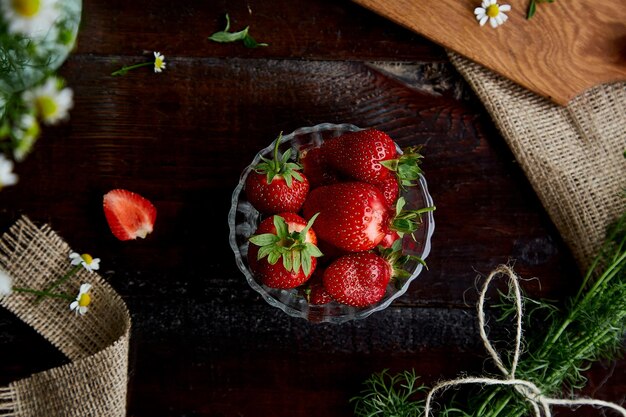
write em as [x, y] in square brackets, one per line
[243, 219]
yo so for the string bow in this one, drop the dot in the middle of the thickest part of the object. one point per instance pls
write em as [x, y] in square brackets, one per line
[540, 403]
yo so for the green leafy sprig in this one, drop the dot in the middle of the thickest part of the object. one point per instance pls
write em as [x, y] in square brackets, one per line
[225, 36]
[590, 327]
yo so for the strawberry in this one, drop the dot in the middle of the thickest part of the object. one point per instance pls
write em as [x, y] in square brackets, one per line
[128, 214]
[390, 189]
[315, 167]
[353, 216]
[360, 154]
[314, 292]
[358, 279]
[288, 238]
[276, 185]
[371, 156]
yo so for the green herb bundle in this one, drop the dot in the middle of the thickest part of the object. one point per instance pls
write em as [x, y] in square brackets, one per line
[589, 327]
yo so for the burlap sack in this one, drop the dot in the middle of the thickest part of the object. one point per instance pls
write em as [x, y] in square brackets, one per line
[572, 155]
[94, 383]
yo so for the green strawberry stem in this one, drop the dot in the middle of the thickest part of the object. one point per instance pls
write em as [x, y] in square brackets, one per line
[408, 221]
[292, 248]
[407, 166]
[279, 166]
[397, 259]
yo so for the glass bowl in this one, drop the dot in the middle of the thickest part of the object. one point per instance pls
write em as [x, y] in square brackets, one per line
[243, 219]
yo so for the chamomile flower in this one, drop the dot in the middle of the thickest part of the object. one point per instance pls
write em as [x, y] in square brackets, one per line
[7, 176]
[492, 11]
[6, 284]
[25, 133]
[50, 101]
[159, 62]
[81, 304]
[31, 18]
[86, 260]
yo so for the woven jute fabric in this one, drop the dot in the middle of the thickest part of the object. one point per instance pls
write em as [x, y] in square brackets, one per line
[572, 155]
[94, 382]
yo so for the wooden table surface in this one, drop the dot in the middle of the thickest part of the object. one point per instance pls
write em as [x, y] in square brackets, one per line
[203, 342]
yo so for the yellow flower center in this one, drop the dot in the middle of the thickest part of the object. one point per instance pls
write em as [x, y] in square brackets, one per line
[493, 10]
[46, 106]
[26, 8]
[158, 62]
[87, 258]
[84, 300]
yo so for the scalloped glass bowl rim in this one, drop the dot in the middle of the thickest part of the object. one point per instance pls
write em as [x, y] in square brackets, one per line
[349, 313]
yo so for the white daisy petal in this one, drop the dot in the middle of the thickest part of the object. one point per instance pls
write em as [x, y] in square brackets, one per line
[493, 22]
[7, 176]
[74, 305]
[480, 16]
[75, 257]
[485, 4]
[6, 284]
[84, 288]
[82, 310]
[483, 20]
[505, 8]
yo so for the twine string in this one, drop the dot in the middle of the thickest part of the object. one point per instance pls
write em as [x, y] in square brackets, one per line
[540, 403]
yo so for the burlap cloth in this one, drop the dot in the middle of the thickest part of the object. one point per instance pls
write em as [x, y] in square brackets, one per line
[94, 383]
[572, 155]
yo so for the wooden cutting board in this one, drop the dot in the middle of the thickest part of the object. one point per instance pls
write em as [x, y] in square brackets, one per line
[566, 48]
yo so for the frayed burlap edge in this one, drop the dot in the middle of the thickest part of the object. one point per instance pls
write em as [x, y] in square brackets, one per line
[95, 382]
[572, 155]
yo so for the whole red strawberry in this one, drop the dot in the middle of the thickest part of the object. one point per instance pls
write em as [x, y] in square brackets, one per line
[283, 251]
[358, 279]
[371, 156]
[276, 185]
[361, 279]
[315, 167]
[390, 189]
[360, 154]
[314, 291]
[354, 217]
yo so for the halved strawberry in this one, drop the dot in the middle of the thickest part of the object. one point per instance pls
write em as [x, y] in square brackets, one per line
[283, 251]
[128, 214]
[276, 185]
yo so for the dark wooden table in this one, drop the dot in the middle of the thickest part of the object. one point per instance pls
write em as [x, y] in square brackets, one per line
[203, 342]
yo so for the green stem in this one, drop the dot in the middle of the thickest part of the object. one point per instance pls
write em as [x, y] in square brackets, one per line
[604, 278]
[59, 281]
[43, 293]
[124, 70]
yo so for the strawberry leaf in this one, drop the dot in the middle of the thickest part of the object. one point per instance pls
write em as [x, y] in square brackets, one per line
[264, 239]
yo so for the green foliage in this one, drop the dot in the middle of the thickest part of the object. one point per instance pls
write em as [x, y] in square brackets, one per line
[225, 36]
[586, 328]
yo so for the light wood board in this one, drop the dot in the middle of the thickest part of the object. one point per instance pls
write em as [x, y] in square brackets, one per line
[568, 47]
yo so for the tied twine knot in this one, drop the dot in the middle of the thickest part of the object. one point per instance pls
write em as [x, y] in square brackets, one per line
[540, 403]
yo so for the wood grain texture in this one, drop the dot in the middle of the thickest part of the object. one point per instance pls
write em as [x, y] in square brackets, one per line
[203, 342]
[565, 49]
